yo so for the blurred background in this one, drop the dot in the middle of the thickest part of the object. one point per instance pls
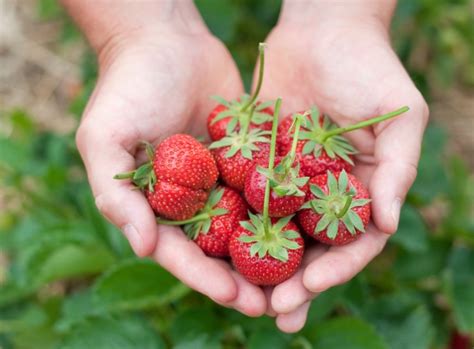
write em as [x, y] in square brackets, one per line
[69, 280]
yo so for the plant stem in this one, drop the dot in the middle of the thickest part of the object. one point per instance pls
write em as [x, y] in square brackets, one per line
[271, 163]
[245, 126]
[346, 207]
[125, 175]
[261, 64]
[296, 134]
[365, 123]
[197, 218]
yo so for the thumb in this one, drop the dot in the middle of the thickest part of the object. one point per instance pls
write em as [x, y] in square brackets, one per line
[397, 151]
[107, 149]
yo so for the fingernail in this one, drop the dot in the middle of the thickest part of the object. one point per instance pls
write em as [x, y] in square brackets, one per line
[133, 237]
[396, 205]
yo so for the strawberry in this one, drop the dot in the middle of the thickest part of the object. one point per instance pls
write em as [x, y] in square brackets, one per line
[213, 226]
[321, 146]
[267, 252]
[225, 117]
[177, 178]
[311, 165]
[234, 168]
[228, 116]
[287, 185]
[337, 210]
[280, 205]
[266, 259]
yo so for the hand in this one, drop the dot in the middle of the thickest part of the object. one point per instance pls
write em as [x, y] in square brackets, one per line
[154, 83]
[347, 68]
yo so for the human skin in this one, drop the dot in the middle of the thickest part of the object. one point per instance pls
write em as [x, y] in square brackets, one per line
[158, 66]
[337, 55]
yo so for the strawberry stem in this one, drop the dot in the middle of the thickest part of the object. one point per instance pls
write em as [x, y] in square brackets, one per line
[197, 218]
[261, 64]
[271, 163]
[246, 123]
[365, 123]
[346, 207]
[125, 175]
[296, 134]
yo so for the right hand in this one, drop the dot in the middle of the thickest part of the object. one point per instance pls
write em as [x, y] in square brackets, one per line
[154, 83]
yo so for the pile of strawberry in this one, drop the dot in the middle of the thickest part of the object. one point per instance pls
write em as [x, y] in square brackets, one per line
[252, 192]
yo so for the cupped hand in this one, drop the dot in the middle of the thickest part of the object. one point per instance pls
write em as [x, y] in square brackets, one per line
[154, 83]
[349, 70]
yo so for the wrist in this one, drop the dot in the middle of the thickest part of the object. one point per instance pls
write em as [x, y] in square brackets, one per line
[328, 11]
[108, 23]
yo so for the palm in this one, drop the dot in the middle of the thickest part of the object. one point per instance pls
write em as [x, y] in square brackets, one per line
[350, 77]
[151, 90]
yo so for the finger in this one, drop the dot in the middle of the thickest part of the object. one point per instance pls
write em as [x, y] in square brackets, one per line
[185, 260]
[105, 152]
[291, 294]
[294, 321]
[397, 151]
[268, 296]
[250, 299]
[341, 263]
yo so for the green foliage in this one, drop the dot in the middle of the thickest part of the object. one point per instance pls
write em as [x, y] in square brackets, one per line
[72, 280]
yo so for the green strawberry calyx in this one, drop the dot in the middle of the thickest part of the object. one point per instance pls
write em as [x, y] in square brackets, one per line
[275, 242]
[336, 206]
[328, 137]
[238, 110]
[201, 222]
[267, 238]
[284, 178]
[144, 176]
[243, 140]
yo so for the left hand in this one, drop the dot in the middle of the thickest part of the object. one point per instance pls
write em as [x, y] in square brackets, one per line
[349, 70]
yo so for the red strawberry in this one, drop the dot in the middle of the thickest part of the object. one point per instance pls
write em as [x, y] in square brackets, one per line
[215, 242]
[223, 126]
[287, 185]
[312, 164]
[178, 177]
[174, 201]
[321, 146]
[337, 210]
[280, 205]
[230, 116]
[234, 169]
[267, 252]
[213, 226]
[266, 259]
[182, 160]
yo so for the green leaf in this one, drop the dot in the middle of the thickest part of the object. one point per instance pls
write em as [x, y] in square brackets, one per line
[459, 286]
[223, 26]
[346, 332]
[342, 182]
[269, 338]
[412, 331]
[137, 284]
[282, 222]
[317, 191]
[332, 229]
[220, 100]
[355, 219]
[124, 332]
[308, 147]
[197, 328]
[323, 223]
[412, 234]
[431, 180]
[414, 265]
[332, 183]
